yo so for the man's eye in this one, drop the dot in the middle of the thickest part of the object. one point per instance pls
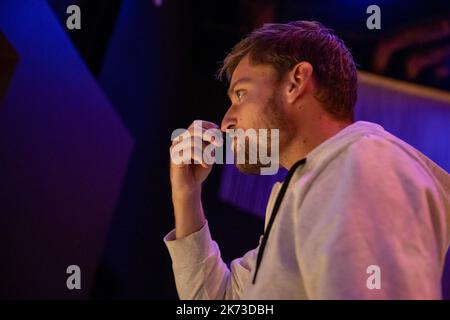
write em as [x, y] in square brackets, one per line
[239, 94]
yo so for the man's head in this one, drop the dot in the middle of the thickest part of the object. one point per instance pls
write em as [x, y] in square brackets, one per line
[286, 76]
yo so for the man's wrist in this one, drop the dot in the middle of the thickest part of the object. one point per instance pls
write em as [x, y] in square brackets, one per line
[188, 211]
[188, 196]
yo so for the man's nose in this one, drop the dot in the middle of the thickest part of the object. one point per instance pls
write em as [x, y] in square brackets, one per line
[228, 121]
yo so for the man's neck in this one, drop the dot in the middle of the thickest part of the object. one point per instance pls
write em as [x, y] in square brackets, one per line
[308, 137]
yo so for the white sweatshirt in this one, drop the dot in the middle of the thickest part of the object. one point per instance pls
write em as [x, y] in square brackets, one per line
[367, 217]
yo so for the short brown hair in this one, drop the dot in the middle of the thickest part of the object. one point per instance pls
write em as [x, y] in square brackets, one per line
[284, 45]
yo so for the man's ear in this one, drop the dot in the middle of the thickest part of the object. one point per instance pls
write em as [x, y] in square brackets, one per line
[299, 80]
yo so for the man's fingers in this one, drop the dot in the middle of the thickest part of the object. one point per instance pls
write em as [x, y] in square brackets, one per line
[187, 147]
[212, 136]
[208, 131]
[209, 135]
[204, 124]
[188, 150]
[187, 158]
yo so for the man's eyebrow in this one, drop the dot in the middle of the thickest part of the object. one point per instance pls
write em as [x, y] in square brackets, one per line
[230, 90]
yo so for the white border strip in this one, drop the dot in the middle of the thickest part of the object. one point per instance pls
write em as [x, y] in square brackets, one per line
[403, 86]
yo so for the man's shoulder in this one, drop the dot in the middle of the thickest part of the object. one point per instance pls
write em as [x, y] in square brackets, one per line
[374, 153]
[381, 147]
[362, 140]
[375, 145]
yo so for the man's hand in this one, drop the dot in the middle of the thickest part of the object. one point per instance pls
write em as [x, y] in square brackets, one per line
[186, 179]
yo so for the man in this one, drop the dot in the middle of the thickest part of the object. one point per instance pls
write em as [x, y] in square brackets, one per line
[361, 214]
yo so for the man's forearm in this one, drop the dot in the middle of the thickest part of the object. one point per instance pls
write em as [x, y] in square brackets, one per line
[188, 211]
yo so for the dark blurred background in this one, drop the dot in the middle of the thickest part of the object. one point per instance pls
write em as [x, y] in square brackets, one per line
[86, 119]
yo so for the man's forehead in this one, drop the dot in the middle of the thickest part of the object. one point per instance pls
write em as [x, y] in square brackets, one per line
[245, 70]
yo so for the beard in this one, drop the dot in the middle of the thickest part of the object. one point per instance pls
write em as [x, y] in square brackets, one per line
[272, 118]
